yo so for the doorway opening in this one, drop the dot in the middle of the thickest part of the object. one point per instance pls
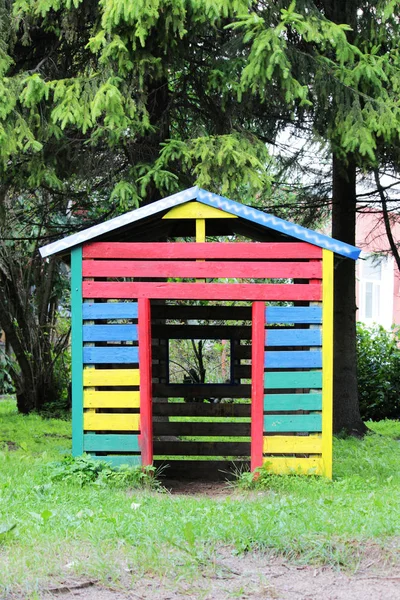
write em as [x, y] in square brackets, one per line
[201, 388]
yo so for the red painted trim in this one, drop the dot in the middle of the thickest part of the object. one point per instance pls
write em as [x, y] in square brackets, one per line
[202, 291]
[181, 250]
[215, 269]
[146, 416]
[257, 384]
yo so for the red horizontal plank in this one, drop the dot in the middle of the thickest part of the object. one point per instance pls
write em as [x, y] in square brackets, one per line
[131, 268]
[202, 291]
[182, 250]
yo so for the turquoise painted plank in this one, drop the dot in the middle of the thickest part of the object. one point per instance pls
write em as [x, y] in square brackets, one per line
[117, 460]
[293, 337]
[110, 310]
[293, 314]
[76, 347]
[95, 442]
[274, 402]
[293, 360]
[111, 354]
[289, 423]
[290, 380]
[110, 333]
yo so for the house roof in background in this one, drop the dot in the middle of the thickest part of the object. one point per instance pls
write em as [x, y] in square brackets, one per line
[231, 207]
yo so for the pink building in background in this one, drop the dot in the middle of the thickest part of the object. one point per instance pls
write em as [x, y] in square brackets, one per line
[378, 278]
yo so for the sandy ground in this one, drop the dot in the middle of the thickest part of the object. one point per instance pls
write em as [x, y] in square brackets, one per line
[251, 577]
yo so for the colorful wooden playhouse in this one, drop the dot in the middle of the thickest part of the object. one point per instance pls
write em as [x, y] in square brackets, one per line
[134, 288]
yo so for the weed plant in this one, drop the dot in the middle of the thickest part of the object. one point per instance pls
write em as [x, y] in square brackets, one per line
[53, 527]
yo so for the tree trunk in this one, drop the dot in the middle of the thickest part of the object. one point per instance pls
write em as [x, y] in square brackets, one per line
[346, 411]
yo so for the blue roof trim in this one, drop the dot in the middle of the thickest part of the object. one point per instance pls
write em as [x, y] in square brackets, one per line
[277, 224]
[130, 217]
[195, 193]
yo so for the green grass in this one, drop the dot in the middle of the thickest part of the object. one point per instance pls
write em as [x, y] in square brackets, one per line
[64, 530]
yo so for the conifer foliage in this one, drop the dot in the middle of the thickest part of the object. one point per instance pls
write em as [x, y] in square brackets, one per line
[106, 104]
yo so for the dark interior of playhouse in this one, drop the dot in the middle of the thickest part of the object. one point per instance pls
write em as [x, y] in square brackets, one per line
[201, 361]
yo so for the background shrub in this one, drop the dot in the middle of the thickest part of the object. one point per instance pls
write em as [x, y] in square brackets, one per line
[378, 372]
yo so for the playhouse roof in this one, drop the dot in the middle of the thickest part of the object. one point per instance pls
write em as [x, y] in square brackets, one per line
[250, 215]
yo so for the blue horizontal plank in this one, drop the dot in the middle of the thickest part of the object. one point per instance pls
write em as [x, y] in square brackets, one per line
[110, 442]
[293, 359]
[112, 354]
[117, 460]
[273, 402]
[291, 380]
[293, 337]
[109, 310]
[110, 333]
[293, 423]
[293, 314]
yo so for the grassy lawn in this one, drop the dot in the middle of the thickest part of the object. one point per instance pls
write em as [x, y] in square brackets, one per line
[61, 529]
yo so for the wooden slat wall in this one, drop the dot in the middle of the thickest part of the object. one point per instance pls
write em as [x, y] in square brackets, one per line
[111, 381]
[292, 361]
[293, 398]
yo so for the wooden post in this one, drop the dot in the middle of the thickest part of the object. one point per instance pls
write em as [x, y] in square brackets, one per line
[146, 413]
[257, 384]
[327, 361]
[77, 351]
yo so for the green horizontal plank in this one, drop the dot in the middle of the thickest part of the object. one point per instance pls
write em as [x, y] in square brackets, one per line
[292, 402]
[116, 460]
[293, 380]
[289, 423]
[110, 443]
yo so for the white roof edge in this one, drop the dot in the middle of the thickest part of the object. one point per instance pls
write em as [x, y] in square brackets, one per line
[130, 217]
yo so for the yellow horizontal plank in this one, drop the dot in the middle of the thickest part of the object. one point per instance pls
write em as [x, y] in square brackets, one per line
[294, 466]
[292, 444]
[110, 422]
[97, 377]
[196, 210]
[95, 399]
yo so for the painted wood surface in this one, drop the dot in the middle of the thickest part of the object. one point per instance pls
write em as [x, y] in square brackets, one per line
[110, 333]
[146, 418]
[110, 422]
[293, 380]
[293, 337]
[257, 384]
[202, 291]
[77, 353]
[116, 460]
[293, 314]
[110, 399]
[279, 402]
[110, 355]
[202, 390]
[212, 250]
[299, 423]
[200, 231]
[109, 310]
[210, 269]
[296, 359]
[288, 466]
[111, 377]
[196, 210]
[190, 448]
[95, 442]
[292, 444]
[327, 359]
[200, 409]
[200, 429]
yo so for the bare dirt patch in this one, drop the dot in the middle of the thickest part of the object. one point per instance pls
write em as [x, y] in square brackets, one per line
[11, 446]
[250, 577]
